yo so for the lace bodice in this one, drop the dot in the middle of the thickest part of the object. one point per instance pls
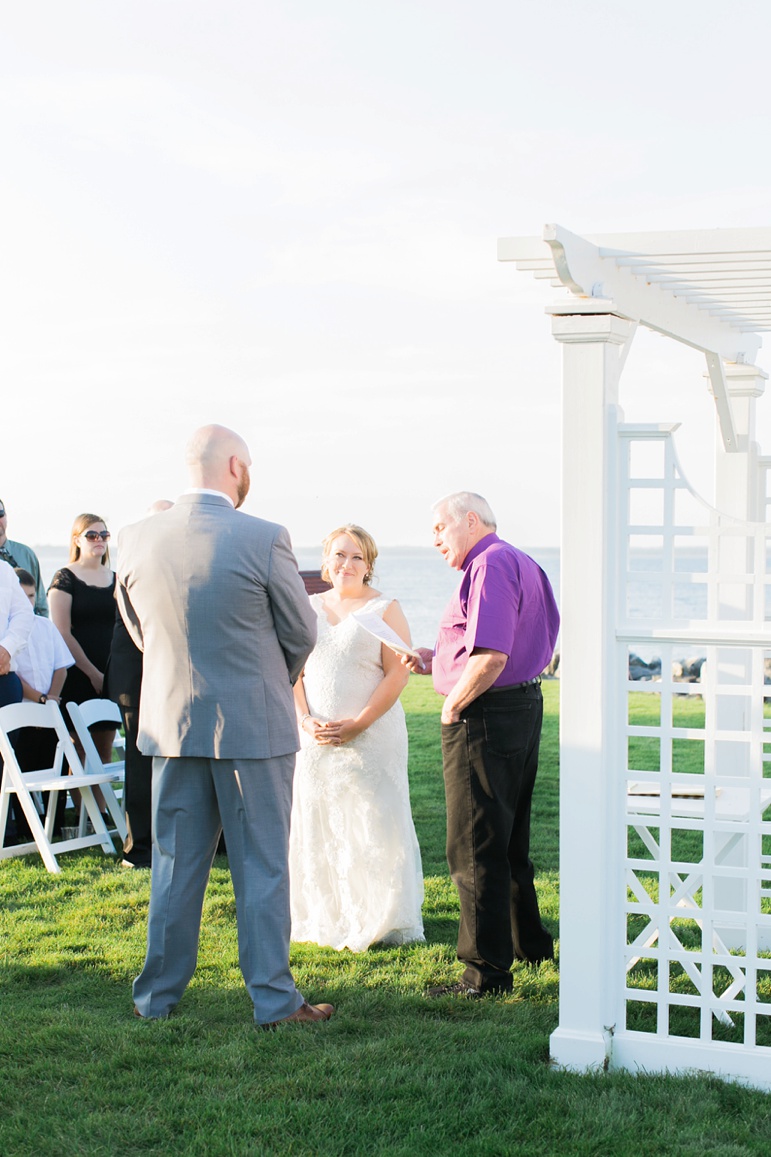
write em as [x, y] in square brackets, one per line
[340, 677]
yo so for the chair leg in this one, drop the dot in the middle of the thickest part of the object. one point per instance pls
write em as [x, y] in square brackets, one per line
[38, 833]
[5, 800]
[115, 810]
[50, 816]
[97, 823]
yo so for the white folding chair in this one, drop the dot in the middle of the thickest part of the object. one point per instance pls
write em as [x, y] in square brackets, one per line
[83, 716]
[24, 784]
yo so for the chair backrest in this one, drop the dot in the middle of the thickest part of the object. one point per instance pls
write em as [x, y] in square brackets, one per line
[96, 711]
[28, 714]
[314, 583]
[23, 784]
[83, 716]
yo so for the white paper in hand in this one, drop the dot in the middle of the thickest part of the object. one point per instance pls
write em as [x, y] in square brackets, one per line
[374, 624]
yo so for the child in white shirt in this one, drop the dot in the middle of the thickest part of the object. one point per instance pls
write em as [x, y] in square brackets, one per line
[41, 667]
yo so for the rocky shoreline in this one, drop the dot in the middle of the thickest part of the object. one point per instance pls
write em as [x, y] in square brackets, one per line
[683, 670]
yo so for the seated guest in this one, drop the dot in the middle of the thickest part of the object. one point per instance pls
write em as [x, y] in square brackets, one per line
[17, 554]
[41, 667]
[16, 622]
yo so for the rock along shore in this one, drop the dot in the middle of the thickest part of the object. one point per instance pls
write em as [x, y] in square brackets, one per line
[683, 670]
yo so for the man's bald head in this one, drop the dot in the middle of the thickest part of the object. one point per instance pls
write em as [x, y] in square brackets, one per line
[218, 459]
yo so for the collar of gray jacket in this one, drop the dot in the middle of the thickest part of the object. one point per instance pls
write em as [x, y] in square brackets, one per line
[216, 493]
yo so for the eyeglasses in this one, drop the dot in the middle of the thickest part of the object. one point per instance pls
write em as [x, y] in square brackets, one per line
[95, 535]
[2, 512]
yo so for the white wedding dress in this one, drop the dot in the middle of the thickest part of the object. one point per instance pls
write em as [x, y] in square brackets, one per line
[355, 872]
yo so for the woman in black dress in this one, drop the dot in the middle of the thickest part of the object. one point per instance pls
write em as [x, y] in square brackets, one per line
[81, 598]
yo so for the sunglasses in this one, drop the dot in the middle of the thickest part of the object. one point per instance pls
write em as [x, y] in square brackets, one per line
[95, 535]
[2, 512]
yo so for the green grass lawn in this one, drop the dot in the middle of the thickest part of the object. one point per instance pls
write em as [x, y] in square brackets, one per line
[392, 1073]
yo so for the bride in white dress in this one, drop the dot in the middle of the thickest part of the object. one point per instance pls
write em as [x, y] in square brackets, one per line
[354, 863]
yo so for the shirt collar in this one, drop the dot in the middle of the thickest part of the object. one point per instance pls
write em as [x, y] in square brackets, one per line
[206, 490]
[478, 547]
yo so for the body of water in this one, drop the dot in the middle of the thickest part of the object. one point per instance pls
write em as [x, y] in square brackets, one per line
[422, 582]
[415, 575]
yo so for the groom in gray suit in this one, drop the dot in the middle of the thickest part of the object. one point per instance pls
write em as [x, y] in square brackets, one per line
[214, 599]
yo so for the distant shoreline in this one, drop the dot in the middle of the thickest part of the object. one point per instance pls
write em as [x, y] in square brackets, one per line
[50, 547]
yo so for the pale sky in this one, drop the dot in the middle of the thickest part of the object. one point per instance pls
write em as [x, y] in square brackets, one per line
[283, 217]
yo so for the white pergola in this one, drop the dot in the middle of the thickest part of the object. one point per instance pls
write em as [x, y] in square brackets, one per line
[665, 925]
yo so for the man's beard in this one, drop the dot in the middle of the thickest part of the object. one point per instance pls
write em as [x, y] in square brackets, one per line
[242, 489]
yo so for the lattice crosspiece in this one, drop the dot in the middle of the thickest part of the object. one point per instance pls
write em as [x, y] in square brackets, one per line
[683, 564]
[697, 851]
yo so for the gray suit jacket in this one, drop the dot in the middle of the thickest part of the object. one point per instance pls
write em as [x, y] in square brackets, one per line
[214, 599]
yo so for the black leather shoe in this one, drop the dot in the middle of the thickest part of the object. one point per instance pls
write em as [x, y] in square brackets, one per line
[461, 988]
[538, 960]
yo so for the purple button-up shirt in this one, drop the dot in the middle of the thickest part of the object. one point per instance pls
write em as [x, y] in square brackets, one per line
[504, 603]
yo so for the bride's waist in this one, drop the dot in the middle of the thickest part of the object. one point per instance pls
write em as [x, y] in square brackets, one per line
[336, 702]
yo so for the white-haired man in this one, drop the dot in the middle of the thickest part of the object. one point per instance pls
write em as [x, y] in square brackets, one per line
[496, 636]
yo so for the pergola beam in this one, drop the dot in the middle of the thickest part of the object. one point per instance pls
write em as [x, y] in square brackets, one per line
[722, 403]
[632, 271]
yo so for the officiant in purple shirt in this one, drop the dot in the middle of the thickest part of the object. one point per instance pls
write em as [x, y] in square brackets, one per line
[496, 636]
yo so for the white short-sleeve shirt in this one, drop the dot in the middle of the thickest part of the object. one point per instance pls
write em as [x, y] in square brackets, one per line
[46, 652]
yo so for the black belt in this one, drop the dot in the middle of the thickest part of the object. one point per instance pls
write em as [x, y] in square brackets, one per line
[513, 686]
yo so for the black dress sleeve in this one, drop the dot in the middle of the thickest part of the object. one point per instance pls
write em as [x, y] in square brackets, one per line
[63, 580]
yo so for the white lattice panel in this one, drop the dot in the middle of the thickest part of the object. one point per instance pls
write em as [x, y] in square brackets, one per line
[692, 584]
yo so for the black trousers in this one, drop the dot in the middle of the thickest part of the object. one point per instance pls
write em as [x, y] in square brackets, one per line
[490, 764]
[138, 790]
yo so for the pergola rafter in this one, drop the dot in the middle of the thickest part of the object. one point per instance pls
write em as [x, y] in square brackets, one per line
[676, 283]
[710, 289]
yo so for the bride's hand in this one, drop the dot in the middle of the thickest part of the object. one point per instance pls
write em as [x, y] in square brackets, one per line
[311, 726]
[344, 730]
[325, 732]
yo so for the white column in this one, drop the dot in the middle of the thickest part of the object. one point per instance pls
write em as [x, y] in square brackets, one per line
[737, 493]
[736, 485]
[593, 341]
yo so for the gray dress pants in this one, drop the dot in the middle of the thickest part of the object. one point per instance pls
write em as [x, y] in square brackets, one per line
[193, 801]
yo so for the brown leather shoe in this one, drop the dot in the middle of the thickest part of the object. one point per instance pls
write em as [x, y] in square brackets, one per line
[305, 1014]
[138, 1014]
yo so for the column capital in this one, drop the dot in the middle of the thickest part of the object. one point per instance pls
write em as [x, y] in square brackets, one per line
[744, 381]
[591, 326]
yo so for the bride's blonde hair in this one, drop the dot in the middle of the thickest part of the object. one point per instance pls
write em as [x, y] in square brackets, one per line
[363, 540]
